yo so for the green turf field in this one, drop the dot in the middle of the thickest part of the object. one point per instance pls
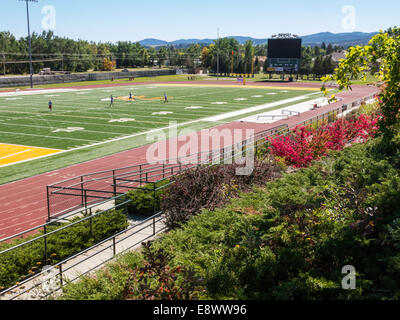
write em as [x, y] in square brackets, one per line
[84, 117]
[85, 127]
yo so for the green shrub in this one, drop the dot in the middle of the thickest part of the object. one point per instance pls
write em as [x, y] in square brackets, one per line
[107, 283]
[145, 201]
[212, 187]
[28, 259]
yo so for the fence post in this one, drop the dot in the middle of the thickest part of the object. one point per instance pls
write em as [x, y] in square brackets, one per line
[154, 209]
[91, 222]
[114, 184]
[114, 248]
[61, 276]
[45, 243]
[48, 204]
[154, 198]
[83, 200]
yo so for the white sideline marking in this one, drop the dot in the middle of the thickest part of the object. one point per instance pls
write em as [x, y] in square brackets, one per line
[257, 108]
[14, 154]
[270, 116]
[27, 93]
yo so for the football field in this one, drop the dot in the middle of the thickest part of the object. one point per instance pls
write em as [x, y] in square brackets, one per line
[83, 118]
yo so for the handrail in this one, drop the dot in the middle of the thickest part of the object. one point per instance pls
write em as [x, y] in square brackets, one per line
[158, 214]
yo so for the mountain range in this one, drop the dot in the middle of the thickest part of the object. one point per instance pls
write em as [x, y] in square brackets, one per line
[340, 39]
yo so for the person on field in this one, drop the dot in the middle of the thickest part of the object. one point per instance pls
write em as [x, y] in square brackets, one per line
[50, 105]
[130, 95]
[111, 101]
[165, 98]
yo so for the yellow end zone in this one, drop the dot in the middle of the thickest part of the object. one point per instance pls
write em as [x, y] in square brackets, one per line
[141, 98]
[10, 154]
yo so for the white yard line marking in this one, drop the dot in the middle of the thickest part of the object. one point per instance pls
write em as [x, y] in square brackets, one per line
[20, 145]
[14, 154]
[27, 93]
[42, 136]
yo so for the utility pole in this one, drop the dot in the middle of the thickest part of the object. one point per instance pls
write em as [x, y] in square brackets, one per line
[29, 40]
[232, 64]
[217, 53]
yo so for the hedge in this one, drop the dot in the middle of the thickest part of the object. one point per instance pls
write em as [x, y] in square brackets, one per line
[27, 260]
[142, 201]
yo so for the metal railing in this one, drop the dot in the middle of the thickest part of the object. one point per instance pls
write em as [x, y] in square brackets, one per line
[79, 192]
[111, 242]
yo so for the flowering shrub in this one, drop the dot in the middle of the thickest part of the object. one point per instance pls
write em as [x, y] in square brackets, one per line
[306, 144]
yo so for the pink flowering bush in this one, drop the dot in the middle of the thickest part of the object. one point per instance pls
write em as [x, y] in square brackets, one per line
[306, 144]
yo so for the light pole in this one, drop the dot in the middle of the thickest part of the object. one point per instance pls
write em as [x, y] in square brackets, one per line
[29, 40]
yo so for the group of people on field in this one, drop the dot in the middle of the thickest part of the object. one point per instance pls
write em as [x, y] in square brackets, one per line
[131, 97]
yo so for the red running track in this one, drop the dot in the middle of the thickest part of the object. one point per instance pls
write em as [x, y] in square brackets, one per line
[23, 204]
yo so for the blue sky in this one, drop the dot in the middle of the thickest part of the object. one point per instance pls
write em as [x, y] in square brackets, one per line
[101, 20]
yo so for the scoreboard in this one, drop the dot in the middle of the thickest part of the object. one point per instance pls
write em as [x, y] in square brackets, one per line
[284, 48]
[284, 55]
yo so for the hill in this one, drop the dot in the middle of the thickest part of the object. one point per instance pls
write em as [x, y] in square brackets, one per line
[341, 39]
